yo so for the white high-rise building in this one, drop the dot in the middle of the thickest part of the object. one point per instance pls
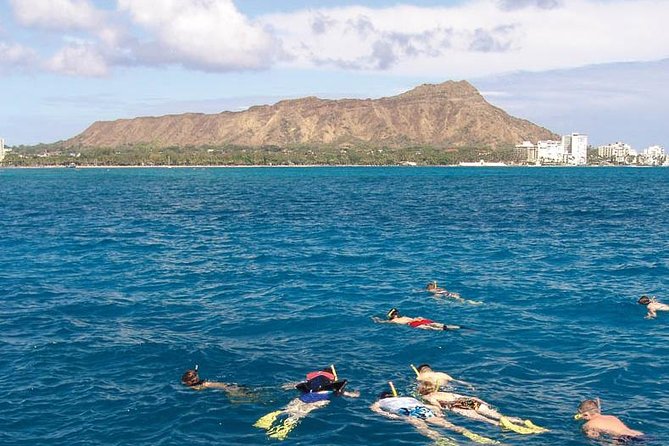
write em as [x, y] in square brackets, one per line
[654, 151]
[529, 150]
[550, 152]
[618, 152]
[2, 149]
[576, 149]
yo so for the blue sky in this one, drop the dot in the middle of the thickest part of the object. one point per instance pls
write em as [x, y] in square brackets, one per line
[599, 67]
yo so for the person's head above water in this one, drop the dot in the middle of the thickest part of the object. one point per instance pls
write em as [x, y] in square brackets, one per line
[427, 387]
[393, 313]
[424, 368]
[431, 286]
[644, 300]
[588, 408]
[190, 378]
[383, 395]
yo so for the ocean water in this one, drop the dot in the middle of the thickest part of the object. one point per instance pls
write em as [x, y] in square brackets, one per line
[114, 282]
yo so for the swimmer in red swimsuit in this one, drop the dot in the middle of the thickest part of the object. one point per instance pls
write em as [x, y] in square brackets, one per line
[394, 317]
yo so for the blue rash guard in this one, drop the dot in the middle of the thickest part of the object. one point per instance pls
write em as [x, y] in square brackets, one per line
[313, 397]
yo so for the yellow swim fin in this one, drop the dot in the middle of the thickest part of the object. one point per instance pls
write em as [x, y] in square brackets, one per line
[505, 423]
[445, 441]
[537, 429]
[266, 421]
[281, 431]
[479, 438]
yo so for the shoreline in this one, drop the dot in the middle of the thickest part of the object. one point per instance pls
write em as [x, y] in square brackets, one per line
[233, 166]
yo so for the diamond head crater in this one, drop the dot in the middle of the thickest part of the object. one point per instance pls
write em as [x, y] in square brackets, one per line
[432, 124]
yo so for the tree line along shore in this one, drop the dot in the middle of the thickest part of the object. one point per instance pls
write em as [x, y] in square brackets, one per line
[146, 155]
[37, 156]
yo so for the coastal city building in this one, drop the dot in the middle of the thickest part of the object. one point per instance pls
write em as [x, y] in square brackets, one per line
[571, 149]
[617, 152]
[576, 149]
[528, 151]
[2, 149]
[550, 152]
[653, 156]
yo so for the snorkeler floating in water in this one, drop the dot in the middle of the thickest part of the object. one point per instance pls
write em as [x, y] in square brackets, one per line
[441, 292]
[598, 424]
[316, 392]
[653, 306]
[469, 407]
[408, 409]
[235, 392]
[192, 380]
[437, 292]
[424, 373]
[394, 317]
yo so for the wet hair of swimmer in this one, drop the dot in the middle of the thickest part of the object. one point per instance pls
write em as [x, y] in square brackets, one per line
[393, 313]
[424, 368]
[645, 300]
[383, 395]
[431, 285]
[588, 406]
[190, 378]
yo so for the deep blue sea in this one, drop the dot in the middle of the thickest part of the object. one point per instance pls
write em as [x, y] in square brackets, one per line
[113, 282]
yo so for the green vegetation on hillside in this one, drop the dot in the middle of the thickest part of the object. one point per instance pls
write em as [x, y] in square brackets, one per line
[146, 155]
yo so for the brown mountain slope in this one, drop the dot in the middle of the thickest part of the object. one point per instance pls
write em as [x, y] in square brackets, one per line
[451, 114]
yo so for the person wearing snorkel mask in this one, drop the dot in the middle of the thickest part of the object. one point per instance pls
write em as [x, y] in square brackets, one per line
[441, 292]
[192, 380]
[394, 317]
[420, 416]
[653, 306]
[597, 424]
[316, 392]
[474, 408]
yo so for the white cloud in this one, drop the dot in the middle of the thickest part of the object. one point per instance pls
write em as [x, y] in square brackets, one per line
[202, 34]
[78, 59]
[56, 14]
[471, 38]
[15, 56]
[476, 38]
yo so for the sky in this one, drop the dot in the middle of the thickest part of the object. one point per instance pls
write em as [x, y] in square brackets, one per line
[599, 67]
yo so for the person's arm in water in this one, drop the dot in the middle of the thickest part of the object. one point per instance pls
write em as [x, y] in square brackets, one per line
[351, 393]
[442, 378]
[219, 385]
[652, 310]
[590, 432]
[376, 408]
[420, 425]
[403, 320]
[654, 307]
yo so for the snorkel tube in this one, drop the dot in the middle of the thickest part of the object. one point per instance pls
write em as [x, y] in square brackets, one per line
[413, 367]
[392, 388]
[334, 372]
